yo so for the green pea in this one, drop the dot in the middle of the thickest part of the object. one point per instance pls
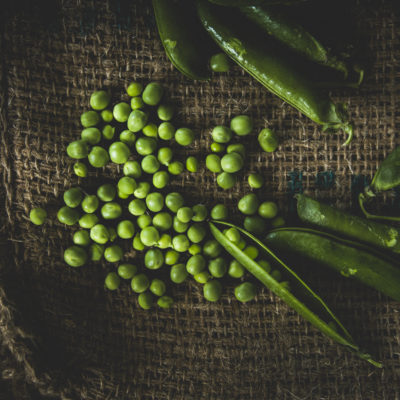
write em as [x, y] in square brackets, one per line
[165, 155]
[166, 131]
[137, 120]
[162, 221]
[140, 283]
[91, 135]
[125, 229]
[143, 221]
[113, 233]
[137, 103]
[99, 100]
[217, 147]
[171, 257]
[150, 130]
[221, 134]
[89, 119]
[134, 89]
[185, 214]
[236, 270]
[158, 287]
[242, 244]
[199, 213]
[106, 192]
[184, 136]
[195, 264]
[165, 112]
[121, 112]
[145, 146]
[212, 290]
[194, 249]
[106, 115]
[232, 162]
[155, 201]
[213, 163]
[212, 248]
[160, 179]
[245, 292]
[254, 224]
[219, 62]
[137, 244]
[219, 212]
[248, 204]
[98, 157]
[112, 281]
[165, 302]
[242, 125]
[175, 168]
[108, 132]
[81, 238]
[142, 190]
[122, 195]
[80, 169]
[88, 221]
[150, 164]
[38, 216]
[251, 251]
[90, 204]
[192, 164]
[96, 251]
[277, 222]
[178, 273]
[165, 241]
[127, 185]
[268, 210]
[75, 256]
[119, 152]
[111, 210]
[237, 148]
[149, 236]
[268, 140]
[154, 258]
[202, 277]
[137, 207]
[226, 181]
[146, 300]
[218, 267]
[180, 243]
[127, 271]
[113, 253]
[127, 137]
[99, 234]
[73, 197]
[265, 265]
[233, 235]
[132, 169]
[196, 233]
[78, 149]
[152, 93]
[179, 227]
[67, 215]
[174, 201]
[256, 181]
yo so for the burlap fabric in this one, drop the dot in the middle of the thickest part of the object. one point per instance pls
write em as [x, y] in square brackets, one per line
[64, 336]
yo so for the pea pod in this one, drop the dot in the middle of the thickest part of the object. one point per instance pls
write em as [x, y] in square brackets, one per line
[248, 47]
[301, 298]
[343, 256]
[186, 44]
[338, 222]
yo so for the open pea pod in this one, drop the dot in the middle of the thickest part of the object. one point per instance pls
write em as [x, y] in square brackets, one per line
[300, 297]
[386, 177]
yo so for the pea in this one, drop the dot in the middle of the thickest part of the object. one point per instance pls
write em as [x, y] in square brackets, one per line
[212, 290]
[88, 221]
[245, 292]
[137, 207]
[185, 214]
[137, 120]
[134, 89]
[179, 227]
[242, 125]
[268, 140]
[96, 251]
[236, 270]
[157, 287]
[277, 222]
[196, 233]
[127, 185]
[112, 281]
[111, 210]
[146, 300]
[67, 215]
[165, 241]
[89, 119]
[166, 131]
[149, 236]
[192, 164]
[122, 195]
[99, 100]
[140, 283]
[125, 229]
[226, 180]
[119, 152]
[127, 137]
[78, 149]
[233, 235]
[162, 221]
[251, 252]
[98, 157]
[91, 135]
[113, 233]
[248, 204]
[152, 93]
[142, 190]
[178, 273]
[38, 216]
[75, 256]
[106, 115]
[268, 210]
[184, 136]
[199, 212]
[212, 249]
[127, 271]
[160, 179]
[150, 130]
[218, 267]
[132, 169]
[217, 147]
[171, 257]
[242, 244]
[237, 148]
[80, 169]
[81, 238]
[90, 203]
[154, 258]
[113, 253]
[99, 234]
[202, 277]
[73, 197]
[256, 181]
[175, 168]
[137, 244]
[213, 163]
[165, 302]
[155, 201]
[165, 112]
[121, 112]
[195, 264]
[106, 192]
[174, 201]
[232, 162]
[221, 134]
[265, 265]
[219, 212]
[254, 224]
[143, 221]
[194, 249]
[180, 243]
[108, 132]
[145, 146]
[137, 103]
[150, 164]
[219, 62]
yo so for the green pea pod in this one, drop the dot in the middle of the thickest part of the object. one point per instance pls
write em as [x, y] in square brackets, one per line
[387, 177]
[186, 44]
[345, 257]
[339, 222]
[300, 297]
[249, 48]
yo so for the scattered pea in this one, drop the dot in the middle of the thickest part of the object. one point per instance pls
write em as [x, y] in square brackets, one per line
[137, 103]
[78, 149]
[142, 190]
[184, 136]
[254, 224]
[218, 267]
[81, 238]
[106, 192]
[192, 164]
[256, 181]
[245, 292]
[195, 264]
[106, 115]
[248, 204]
[89, 119]
[217, 147]
[132, 169]
[171, 257]
[111, 210]
[145, 300]
[90, 203]
[242, 125]
[165, 302]
[154, 258]
[98, 157]
[140, 283]
[268, 140]
[236, 270]
[213, 163]
[125, 229]
[219, 62]
[219, 212]
[150, 130]
[99, 100]
[268, 210]
[166, 131]
[67, 215]
[127, 137]
[178, 273]
[160, 179]
[134, 89]
[91, 135]
[108, 132]
[38, 216]
[113, 253]
[88, 221]
[80, 169]
[112, 281]
[127, 271]
[212, 290]
[165, 112]
[175, 168]
[137, 120]
[226, 181]
[152, 93]
[75, 256]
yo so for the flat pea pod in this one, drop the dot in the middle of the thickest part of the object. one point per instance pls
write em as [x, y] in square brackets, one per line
[186, 44]
[345, 257]
[253, 52]
[300, 297]
[339, 222]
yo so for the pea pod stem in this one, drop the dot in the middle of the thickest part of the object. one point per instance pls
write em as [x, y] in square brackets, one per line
[265, 278]
[362, 199]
